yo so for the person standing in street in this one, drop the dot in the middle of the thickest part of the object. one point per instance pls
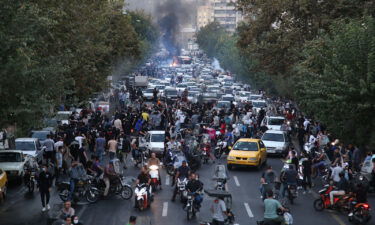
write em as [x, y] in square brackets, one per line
[100, 146]
[49, 145]
[112, 147]
[45, 183]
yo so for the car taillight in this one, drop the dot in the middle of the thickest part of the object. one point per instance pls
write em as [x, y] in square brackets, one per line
[366, 206]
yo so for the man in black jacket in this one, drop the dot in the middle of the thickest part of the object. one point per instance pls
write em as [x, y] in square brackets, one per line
[45, 183]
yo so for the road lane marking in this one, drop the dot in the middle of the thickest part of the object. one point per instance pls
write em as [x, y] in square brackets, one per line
[167, 180]
[236, 181]
[165, 209]
[248, 210]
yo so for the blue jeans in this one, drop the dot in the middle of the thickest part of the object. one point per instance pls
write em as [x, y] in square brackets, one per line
[72, 186]
[99, 154]
[284, 188]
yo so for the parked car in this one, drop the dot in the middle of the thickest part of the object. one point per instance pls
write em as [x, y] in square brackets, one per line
[41, 135]
[153, 141]
[247, 152]
[276, 142]
[12, 162]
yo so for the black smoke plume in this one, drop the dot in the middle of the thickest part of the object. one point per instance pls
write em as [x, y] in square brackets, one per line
[172, 15]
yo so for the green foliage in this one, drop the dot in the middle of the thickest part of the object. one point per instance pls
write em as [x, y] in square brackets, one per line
[335, 81]
[61, 51]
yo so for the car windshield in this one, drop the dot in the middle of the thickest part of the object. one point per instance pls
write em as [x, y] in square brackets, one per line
[255, 97]
[40, 135]
[244, 94]
[149, 90]
[209, 95]
[181, 85]
[259, 104]
[62, 116]
[246, 146]
[25, 146]
[275, 121]
[231, 99]
[10, 157]
[223, 104]
[273, 137]
[157, 138]
[171, 92]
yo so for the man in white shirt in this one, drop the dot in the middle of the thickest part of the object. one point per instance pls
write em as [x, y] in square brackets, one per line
[219, 211]
[335, 172]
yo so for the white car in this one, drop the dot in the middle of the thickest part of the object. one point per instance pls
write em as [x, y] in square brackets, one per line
[148, 94]
[29, 146]
[181, 87]
[63, 116]
[242, 96]
[255, 97]
[154, 141]
[258, 105]
[12, 162]
[273, 122]
[193, 96]
[276, 141]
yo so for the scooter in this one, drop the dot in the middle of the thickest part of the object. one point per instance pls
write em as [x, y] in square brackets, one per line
[181, 188]
[141, 197]
[154, 174]
[220, 149]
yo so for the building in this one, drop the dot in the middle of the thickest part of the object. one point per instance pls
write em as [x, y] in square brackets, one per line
[205, 15]
[224, 12]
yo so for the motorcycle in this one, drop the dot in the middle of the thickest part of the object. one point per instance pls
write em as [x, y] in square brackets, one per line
[181, 188]
[191, 206]
[292, 193]
[83, 190]
[140, 157]
[118, 186]
[340, 203]
[220, 149]
[173, 161]
[288, 218]
[206, 153]
[141, 197]
[154, 174]
[360, 213]
[29, 179]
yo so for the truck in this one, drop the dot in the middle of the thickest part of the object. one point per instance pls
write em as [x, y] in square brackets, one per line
[140, 81]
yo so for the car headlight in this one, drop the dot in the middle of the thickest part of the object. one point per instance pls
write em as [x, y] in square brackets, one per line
[253, 159]
[231, 158]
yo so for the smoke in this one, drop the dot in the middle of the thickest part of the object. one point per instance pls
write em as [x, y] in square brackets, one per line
[216, 65]
[171, 16]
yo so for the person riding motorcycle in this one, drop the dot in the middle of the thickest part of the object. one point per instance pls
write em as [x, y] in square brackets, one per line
[268, 177]
[144, 178]
[109, 175]
[76, 173]
[154, 161]
[289, 178]
[271, 206]
[340, 189]
[182, 172]
[193, 186]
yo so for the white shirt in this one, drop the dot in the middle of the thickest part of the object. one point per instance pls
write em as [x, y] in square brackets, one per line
[80, 140]
[58, 144]
[335, 173]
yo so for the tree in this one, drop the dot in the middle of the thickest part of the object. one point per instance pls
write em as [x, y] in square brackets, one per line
[335, 80]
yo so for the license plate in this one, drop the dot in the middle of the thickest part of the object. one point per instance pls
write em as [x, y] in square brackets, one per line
[271, 151]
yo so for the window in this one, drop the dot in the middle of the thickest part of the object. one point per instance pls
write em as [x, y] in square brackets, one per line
[273, 137]
[246, 146]
[274, 121]
[261, 144]
[10, 157]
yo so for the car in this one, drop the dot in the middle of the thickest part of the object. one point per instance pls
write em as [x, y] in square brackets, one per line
[193, 96]
[41, 135]
[222, 105]
[255, 97]
[273, 122]
[209, 97]
[181, 87]
[276, 141]
[228, 97]
[148, 94]
[160, 89]
[258, 105]
[154, 141]
[63, 117]
[103, 106]
[3, 184]
[12, 162]
[29, 146]
[171, 93]
[247, 152]
[243, 96]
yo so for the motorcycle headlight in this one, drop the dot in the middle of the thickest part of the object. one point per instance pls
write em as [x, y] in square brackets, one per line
[231, 158]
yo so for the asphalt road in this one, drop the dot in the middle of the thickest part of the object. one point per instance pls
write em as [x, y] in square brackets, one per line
[24, 209]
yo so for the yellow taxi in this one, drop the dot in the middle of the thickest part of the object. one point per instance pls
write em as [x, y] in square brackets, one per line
[247, 152]
[3, 184]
